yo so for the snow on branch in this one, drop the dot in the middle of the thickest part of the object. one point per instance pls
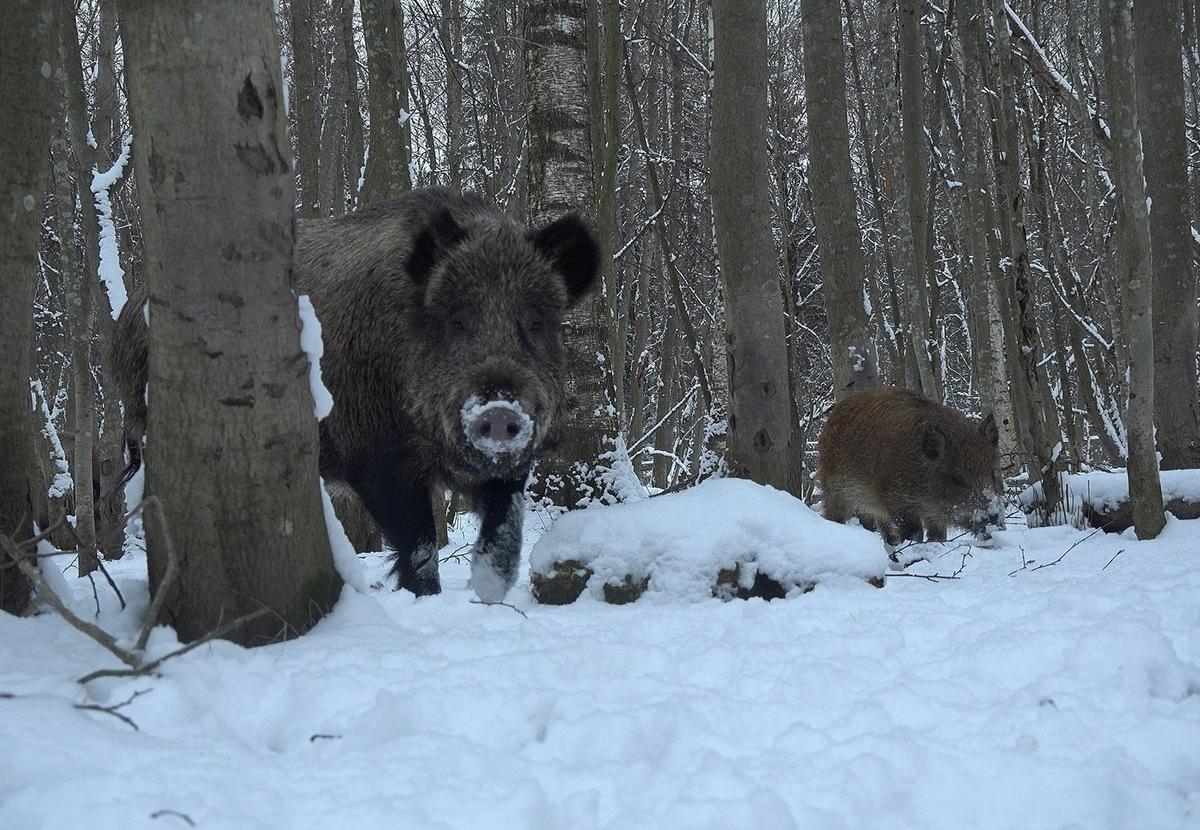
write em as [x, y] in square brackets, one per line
[110, 271]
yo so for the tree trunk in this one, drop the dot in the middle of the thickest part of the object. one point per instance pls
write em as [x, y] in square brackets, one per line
[106, 454]
[989, 337]
[231, 439]
[355, 149]
[331, 168]
[1042, 417]
[1145, 492]
[27, 56]
[451, 36]
[107, 126]
[909, 148]
[78, 295]
[1160, 102]
[831, 179]
[304, 103]
[605, 54]
[387, 173]
[760, 411]
[559, 177]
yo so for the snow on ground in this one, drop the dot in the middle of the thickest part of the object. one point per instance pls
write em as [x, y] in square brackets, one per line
[1060, 697]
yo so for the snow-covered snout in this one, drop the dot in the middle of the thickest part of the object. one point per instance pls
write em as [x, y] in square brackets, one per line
[493, 299]
[500, 429]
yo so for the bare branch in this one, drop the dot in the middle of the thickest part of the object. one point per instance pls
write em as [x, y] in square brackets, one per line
[46, 593]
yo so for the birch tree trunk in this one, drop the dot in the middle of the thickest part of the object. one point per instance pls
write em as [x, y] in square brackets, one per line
[27, 58]
[1145, 492]
[760, 410]
[1043, 421]
[1157, 27]
[855, 365]
[559, 179]
[303, 98]
[994, 385]
[232, 445]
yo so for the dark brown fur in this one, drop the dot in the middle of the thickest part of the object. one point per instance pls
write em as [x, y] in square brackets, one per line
[904, 463]
[424, 302]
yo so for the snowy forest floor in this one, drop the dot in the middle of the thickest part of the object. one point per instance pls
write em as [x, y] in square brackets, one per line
[1065, 696]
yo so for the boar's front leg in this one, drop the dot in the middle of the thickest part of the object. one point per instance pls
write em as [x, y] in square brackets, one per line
[403, 509]
[500, 506]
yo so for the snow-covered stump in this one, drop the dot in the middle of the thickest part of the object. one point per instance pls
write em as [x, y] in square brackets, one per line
[1101, 500]
[725, 538]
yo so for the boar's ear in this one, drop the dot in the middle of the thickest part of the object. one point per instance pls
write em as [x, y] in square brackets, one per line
[989, 430]
[438, 236]
[933, 441]
[572, 250]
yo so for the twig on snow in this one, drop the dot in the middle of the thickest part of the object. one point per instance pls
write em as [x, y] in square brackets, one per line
[148, 668]
[505, 604]
[1114, 557]
[114, 709]
[157, 814]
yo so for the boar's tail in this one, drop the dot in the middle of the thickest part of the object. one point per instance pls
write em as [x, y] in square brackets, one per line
[133, 448]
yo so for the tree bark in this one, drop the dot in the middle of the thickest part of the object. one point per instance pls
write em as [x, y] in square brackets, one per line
[1042, 417]
[559, 178]
[387, 166]
[989, 337]
[839, 238]
[760, 419]
[911, 194]
[355, 148]
[451, 35]
[1145, 491]
[304, 103]
[1157, 27]
[75, 273]
[232, 444]
[27, 58]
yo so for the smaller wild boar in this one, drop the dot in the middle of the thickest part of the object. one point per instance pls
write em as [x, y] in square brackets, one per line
[904, 464]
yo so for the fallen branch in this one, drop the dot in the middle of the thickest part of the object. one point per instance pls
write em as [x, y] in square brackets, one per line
[505, 604]
[148, 668]
[157, 814]
[114, 710]
[926, 577]
[46, 593]
[1114, 558]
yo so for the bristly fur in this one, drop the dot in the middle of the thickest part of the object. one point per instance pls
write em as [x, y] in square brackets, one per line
[425, 301]
[899, 460]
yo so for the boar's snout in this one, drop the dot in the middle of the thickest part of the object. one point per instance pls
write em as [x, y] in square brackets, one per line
[498, 428]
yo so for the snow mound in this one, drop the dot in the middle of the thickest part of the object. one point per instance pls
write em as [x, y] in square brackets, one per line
[681, 545]
[1103, 494]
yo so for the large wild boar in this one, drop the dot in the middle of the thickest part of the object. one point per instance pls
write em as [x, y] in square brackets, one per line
[904, 464]
[442, 322]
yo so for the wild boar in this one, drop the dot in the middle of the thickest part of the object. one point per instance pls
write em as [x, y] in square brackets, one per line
[442, 323]
[904, 464]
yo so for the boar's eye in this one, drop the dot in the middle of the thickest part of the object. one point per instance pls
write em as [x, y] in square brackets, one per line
[460, 322]
[536, 325]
